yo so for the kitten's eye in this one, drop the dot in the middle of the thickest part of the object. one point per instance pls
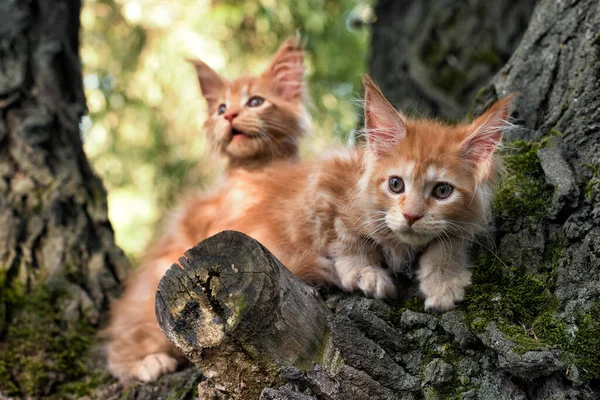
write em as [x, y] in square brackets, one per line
[255, 101]
[396, 184]
[222, 109]
[442, 190]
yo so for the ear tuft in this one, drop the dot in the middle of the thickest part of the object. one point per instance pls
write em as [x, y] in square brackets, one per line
[484, 136]
[384, 126]
[287, 70]
[211, 83]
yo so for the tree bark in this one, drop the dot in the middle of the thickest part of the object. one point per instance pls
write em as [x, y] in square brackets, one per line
[56, 243]
[52, 205]
[432, 57]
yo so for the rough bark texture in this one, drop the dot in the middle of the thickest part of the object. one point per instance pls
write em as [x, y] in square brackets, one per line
[433, 56]
[240, 315]
[52, 206]
[59, 264]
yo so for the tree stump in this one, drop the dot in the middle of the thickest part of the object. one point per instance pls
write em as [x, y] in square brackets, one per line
[237, 313]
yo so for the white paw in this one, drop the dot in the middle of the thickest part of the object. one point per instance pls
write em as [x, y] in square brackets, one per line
[155, 365]
[373, 281]
[443, 291]
[446, 300]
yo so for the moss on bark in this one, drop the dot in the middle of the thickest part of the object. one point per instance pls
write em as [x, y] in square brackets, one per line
[43, 354]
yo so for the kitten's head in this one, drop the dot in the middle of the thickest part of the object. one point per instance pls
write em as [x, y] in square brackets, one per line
[256, 119]
[425, 179]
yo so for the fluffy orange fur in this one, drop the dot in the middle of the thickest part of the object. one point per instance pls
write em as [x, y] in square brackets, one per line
[417, 188]
[252, 122]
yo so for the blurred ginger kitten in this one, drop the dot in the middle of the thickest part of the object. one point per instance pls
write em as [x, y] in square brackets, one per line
[252, 121]
[419, 188]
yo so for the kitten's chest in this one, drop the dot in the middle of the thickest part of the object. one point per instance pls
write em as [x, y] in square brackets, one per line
[400, 258]
[237, 198]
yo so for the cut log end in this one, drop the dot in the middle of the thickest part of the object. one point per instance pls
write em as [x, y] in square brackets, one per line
[237, 313]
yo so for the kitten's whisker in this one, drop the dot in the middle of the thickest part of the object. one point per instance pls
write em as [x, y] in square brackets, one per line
[473, 239]
[459, 226]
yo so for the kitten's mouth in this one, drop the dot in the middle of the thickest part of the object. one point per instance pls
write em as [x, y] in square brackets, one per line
[413, 236]
[237, 134]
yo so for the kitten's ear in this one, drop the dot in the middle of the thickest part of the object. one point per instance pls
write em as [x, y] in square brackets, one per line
[211, 83]
[484, 136]
[384, 126]
[286, 70]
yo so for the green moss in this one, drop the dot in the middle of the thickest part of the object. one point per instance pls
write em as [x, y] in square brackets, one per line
[592, 188]
[41, 355]
[582, 342]
[511, 296]
[522, 337]
[514, 298]
[416, 304]
[521, 304]
[585, 345]
[489, 57]
[451, 354]
[551, 329]
[522, 190]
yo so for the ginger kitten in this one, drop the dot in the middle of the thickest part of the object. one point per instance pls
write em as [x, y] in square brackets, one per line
[252, 121]
[417, 188]
[256, 120]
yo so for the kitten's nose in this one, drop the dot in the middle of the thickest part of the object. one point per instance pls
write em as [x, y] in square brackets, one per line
[230, 116]
[411, 218]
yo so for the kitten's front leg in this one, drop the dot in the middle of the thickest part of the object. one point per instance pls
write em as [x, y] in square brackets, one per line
[444, 274]
[357, 272]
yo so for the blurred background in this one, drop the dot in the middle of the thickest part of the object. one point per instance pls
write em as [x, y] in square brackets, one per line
[144, 133]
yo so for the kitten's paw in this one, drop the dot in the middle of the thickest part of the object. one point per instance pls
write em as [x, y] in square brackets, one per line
[155, 365]
[376, 282]
[442, 292]
[446, 300]
[440, 303]
[373, 281]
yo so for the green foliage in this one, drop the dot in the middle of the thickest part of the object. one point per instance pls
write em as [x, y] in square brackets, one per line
[41, 354]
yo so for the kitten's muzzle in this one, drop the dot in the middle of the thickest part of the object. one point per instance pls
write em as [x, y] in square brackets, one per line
[411, 218]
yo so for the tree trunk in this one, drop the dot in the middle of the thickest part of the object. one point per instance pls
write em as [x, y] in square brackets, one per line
[433, 56]
[59, 265]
